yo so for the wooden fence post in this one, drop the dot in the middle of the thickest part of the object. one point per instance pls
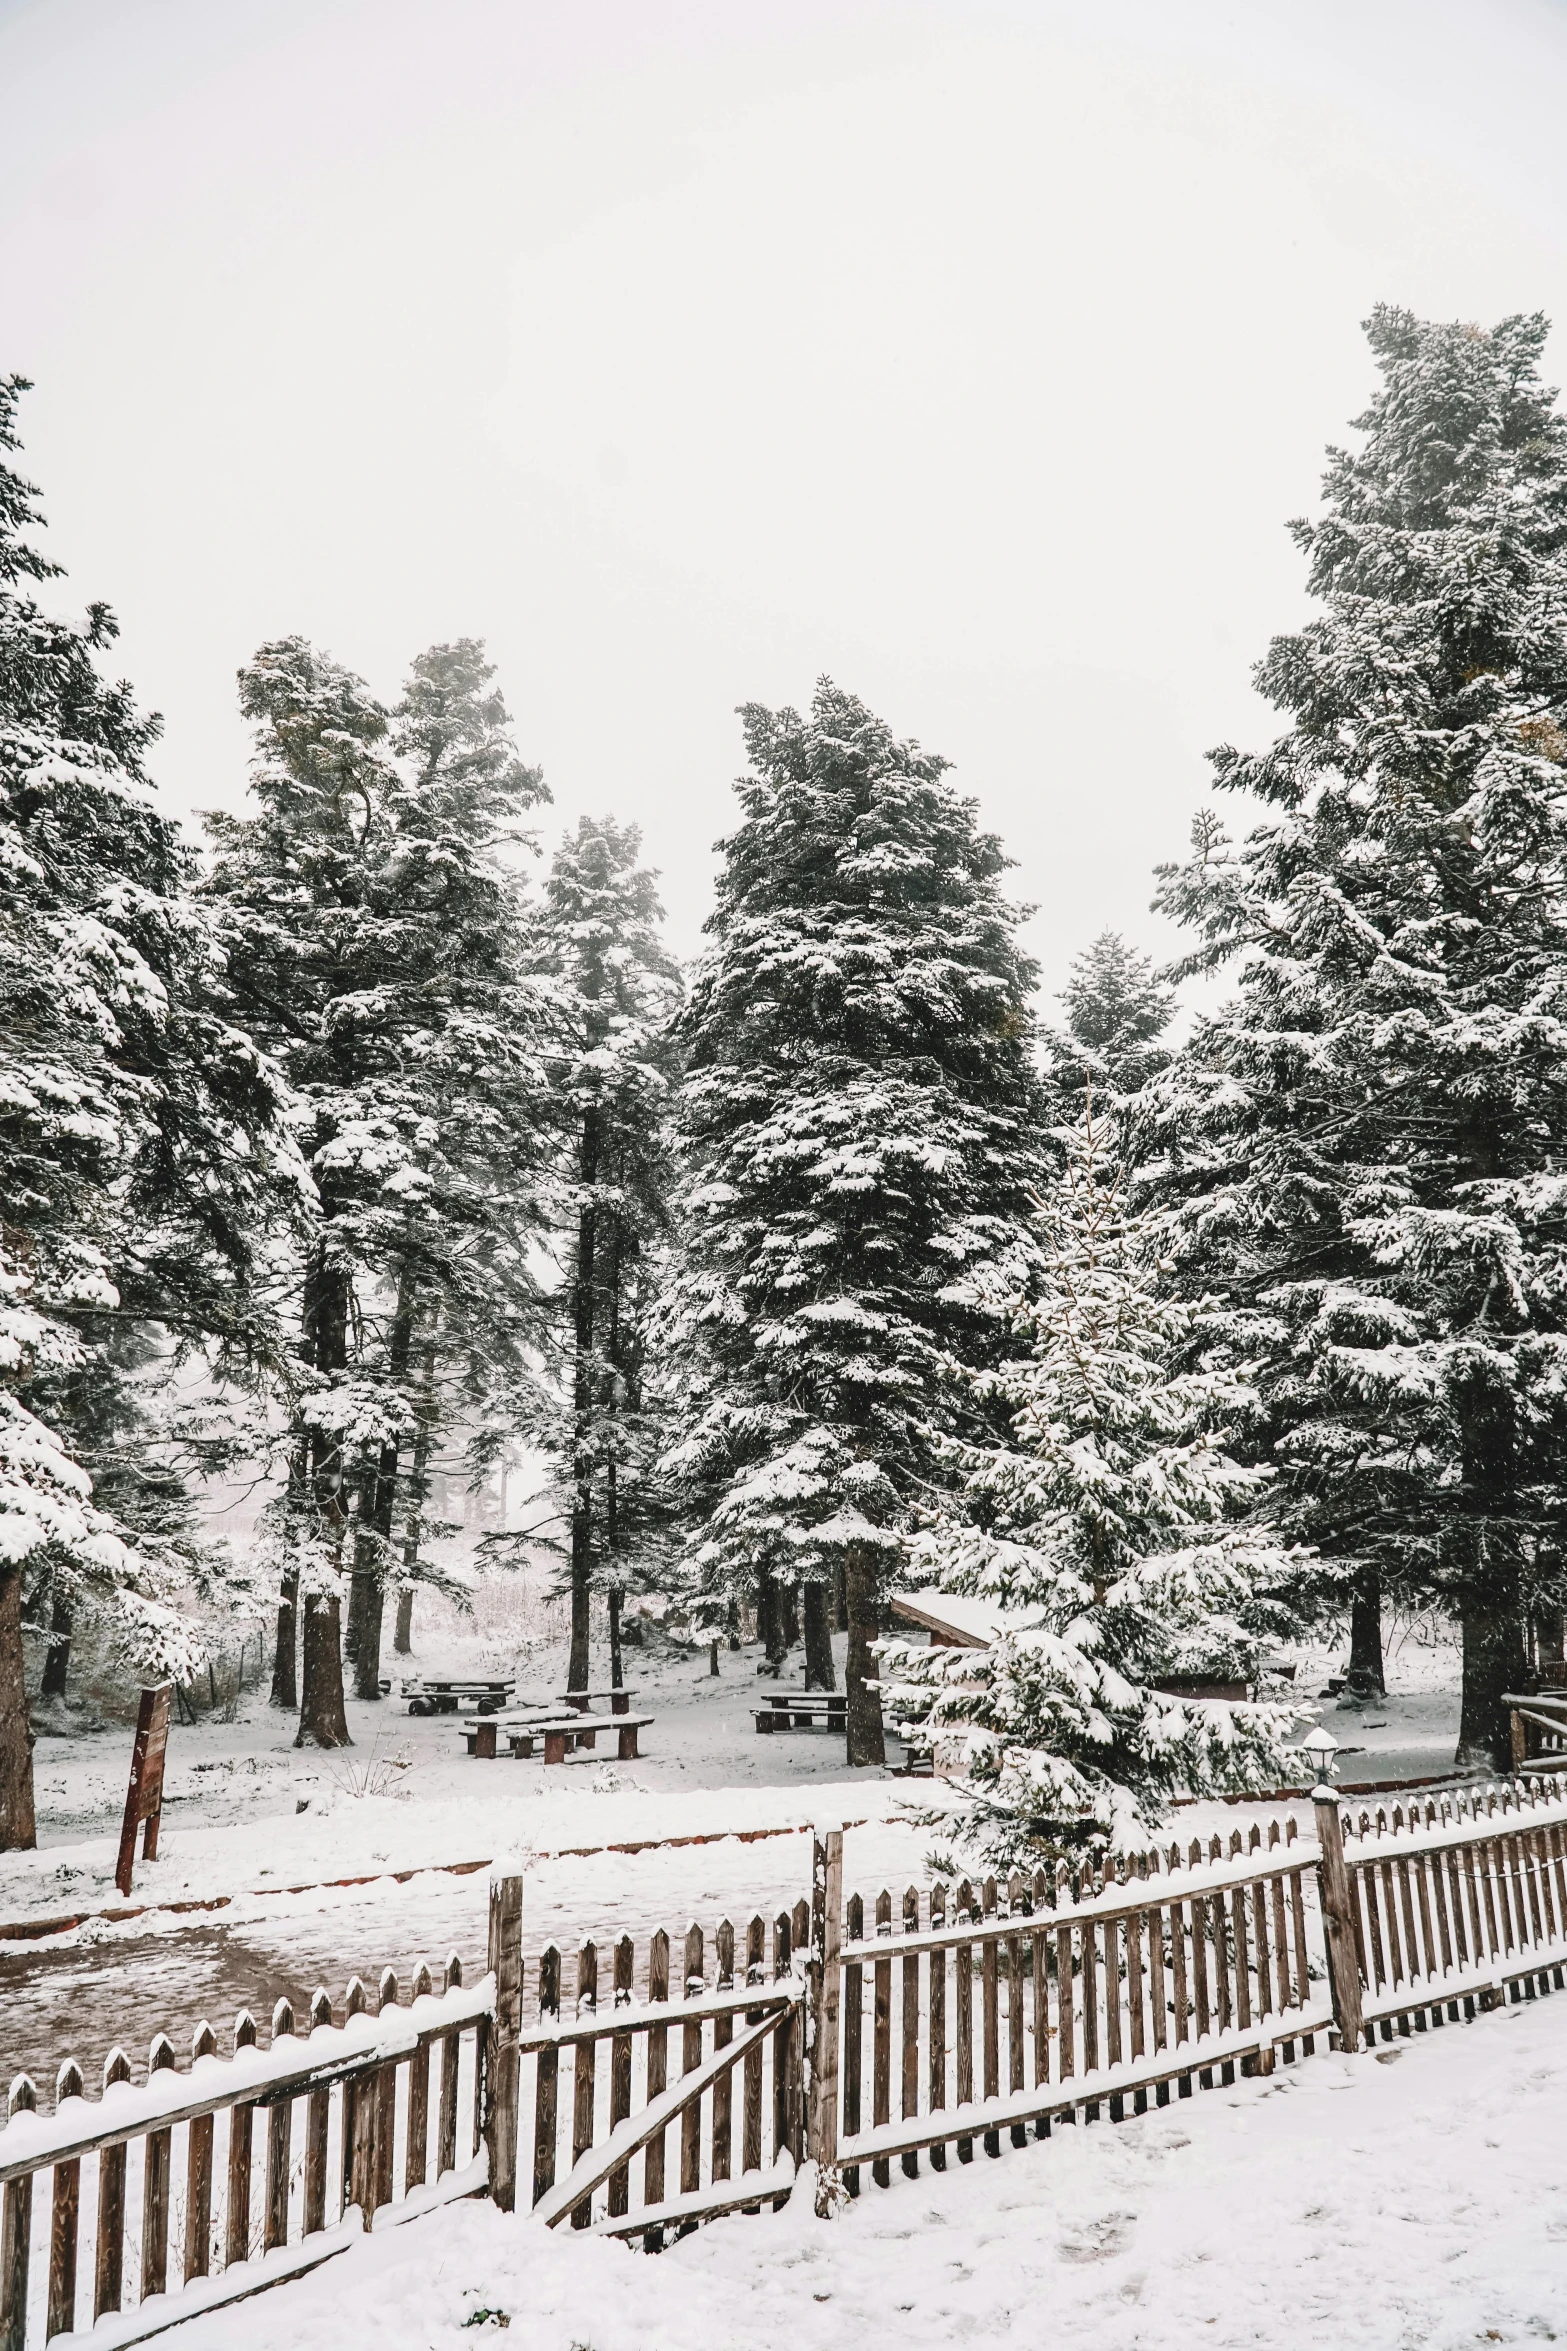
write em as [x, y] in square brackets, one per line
[1338, 1919]
[16, 2231]
[826, 1995]
[504, 2070]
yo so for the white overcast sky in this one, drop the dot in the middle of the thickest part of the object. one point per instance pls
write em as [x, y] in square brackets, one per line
[975, 354]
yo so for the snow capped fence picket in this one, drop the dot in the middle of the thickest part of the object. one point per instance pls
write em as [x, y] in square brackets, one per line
[1453, 1903]
[738, 2014]
[348, 2130]
[639, 2089]
[1085, 1991]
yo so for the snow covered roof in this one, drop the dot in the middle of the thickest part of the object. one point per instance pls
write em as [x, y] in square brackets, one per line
[968, 1624]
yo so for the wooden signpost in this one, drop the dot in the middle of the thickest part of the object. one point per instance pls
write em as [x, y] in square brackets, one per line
[144, 1796]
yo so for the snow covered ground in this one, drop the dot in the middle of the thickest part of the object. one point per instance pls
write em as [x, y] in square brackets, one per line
[243, 1804]
[406, 1797]
[1410, 2200]
[249, 1816]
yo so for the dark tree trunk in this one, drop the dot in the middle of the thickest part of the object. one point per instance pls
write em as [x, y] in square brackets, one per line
[841, 1597]
[732, 1623]
[617, 1592]
[285, 1654]
[356, 1607]
[57, 1661]
[323, 1719]
[789, 1615]
[18, 1822]
[377, 1511]
[866, 1743]
[1484, 1546]
[418, 1491]
[371, 1547]
[578, 1663]
[285, 1670]
[1489, 1584]
[818, 1638]
[1365, 1635]
[1494, 1662]
[769, 1619]
[582, 1409]
[617, 1670]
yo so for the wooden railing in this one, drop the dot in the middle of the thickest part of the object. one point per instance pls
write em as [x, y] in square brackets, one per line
[283, 2154]
[1539, 1732]
[994, 2007]
[1452, 1904]
[638, 2091]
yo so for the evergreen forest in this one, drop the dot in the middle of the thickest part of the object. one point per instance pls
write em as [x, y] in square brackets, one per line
[378, 1125]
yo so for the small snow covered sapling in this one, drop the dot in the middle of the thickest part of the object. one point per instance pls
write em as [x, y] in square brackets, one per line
[1121, 1541]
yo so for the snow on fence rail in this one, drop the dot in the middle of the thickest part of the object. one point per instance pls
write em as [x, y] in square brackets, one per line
[1085, 1991]
[350, 2127]
[1451, 1903]
[984, 2011]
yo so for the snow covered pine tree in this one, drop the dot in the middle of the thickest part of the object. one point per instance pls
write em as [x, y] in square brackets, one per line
[143, 1163]
[614, 988]
[375, 936]
[1369, 1137]
[1117, 1010]
[860, 1119]
[1121, 1541]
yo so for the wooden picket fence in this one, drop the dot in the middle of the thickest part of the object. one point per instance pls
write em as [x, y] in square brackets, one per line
[700, 2072]
[1084, 1992]
[381, 2106]
[1444, 1907]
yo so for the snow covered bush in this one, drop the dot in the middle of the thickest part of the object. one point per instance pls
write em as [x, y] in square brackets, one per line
[1121, 1540]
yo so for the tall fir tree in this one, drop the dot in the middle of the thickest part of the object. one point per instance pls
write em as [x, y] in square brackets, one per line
[1117, 1011]
[1367, 1138]
[374, 928]
[143, 1162]
[615, 988]
[1118, 1538]
[860, 1125]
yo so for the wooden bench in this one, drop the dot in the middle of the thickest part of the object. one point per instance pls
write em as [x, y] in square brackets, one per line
[561, 1734]
[803, 1710]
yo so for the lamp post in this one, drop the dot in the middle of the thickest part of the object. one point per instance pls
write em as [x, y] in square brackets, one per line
[1320, 1747]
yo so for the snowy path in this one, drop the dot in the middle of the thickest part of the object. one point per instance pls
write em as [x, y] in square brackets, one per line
[1411, 2201]
[124, 1983]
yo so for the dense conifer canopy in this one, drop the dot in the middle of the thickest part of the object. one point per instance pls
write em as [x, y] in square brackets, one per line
[1368, 1136]
[860, 1119]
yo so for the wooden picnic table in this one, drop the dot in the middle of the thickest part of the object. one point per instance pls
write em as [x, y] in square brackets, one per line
[430, 1694]
[619, 1700]
[562, 1733]
[802, 1710]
